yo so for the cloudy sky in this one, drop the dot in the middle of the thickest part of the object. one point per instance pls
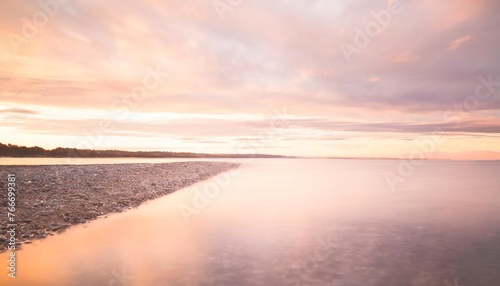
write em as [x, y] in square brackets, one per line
[304, 77]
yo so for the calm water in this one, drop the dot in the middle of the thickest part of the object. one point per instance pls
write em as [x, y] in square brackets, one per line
[291, 222]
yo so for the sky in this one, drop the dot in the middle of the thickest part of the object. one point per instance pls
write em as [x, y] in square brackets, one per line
[348, 78]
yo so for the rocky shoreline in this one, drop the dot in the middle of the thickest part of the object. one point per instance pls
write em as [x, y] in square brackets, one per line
[51, 198]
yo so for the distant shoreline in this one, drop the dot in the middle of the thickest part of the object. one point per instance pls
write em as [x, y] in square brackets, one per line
[16, 151]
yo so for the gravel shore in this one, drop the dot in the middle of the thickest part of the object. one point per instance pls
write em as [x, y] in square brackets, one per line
[51, 198]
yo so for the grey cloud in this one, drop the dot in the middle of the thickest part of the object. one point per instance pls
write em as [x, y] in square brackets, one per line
[17, 111]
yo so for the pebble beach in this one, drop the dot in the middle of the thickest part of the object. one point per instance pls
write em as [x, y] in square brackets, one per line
[51, 198]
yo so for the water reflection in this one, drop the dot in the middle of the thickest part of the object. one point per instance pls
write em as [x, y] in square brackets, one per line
[293, 222]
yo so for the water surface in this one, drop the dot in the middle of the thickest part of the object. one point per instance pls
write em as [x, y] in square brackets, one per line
[291, 222]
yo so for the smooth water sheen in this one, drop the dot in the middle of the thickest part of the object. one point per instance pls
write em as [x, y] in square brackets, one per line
[291, 222]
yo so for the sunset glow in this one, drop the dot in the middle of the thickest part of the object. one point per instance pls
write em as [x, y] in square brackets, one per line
[273, 77]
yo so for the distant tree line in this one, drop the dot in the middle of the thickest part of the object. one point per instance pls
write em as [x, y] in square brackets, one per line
[10, 150]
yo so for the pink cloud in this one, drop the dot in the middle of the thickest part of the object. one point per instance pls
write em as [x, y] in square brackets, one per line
[262, 56]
